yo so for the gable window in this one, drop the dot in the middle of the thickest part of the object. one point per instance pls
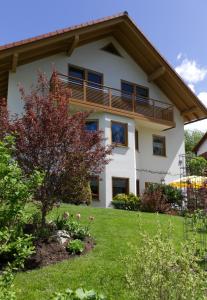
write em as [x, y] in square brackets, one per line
[91, 125]
[120, 186]
[94, 185]
[136, 140]
[119, 133]
[111, 49]
[159, 145]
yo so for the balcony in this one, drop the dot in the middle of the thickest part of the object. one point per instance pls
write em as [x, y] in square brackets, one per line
[103, 98]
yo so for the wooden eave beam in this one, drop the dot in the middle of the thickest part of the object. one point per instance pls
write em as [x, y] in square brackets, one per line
[14, 62]
[188, 111]
[73, 46]
[156, 74]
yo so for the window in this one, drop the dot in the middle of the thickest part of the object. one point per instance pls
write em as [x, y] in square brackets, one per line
[141, 92]
[136, 140]
[120, 186]
[95, 79]
[119, 133]
[159, 145]
[137, 187]
[111, 49]
[92, 125]
[94, 185]
[76, 74]
[79, 74]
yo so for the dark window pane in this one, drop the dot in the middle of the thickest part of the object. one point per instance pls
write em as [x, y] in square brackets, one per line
[120, 186]
[76, 73]
[94, 184]
[127, 88]
[136, 140]
[159, 146]
[137, 187]
[95, 79]
[142, 91]
[92, 125]
[119, 133]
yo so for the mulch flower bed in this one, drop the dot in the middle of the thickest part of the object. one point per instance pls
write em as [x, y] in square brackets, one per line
[50, 252]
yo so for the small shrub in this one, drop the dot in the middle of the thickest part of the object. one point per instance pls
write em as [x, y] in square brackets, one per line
[79, 294]
[157, 271]
[153, 200]
[73, 226]
[75, 247]
[126, 202]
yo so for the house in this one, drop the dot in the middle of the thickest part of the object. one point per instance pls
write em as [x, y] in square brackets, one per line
[138, 100]
[200, 148]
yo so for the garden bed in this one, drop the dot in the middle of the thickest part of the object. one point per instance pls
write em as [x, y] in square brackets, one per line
[49, 252]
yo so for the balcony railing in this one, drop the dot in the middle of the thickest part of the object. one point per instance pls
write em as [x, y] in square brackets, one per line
[118, 100]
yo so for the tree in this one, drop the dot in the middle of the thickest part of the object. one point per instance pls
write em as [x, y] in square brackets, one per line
[51, 139]
[198, 166]
[192, 137]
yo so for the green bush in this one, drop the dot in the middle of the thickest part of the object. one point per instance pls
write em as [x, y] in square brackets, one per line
[75, 247]
[161, 198]
[126, 202]
[157, 270]
[79, 294]
[15, 192]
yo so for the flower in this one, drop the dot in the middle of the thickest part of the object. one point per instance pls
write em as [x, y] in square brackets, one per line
[78, 216]
[91, 218]
[66, 215]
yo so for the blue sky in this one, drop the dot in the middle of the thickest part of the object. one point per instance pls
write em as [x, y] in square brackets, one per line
[177, 28]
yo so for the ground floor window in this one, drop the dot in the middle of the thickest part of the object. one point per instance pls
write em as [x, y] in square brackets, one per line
[92, 125]
[94, 184]
[119, 133]
[120, 186]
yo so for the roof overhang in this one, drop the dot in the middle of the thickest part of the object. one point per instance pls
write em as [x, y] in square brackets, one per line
[124, 30]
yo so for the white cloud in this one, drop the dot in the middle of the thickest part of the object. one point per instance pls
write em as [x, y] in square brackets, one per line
[190, 71]
[200, 125]
[203, 97]
[192, 87]
[179, 56]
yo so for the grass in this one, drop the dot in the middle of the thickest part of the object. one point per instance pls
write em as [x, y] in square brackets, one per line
[101, 269]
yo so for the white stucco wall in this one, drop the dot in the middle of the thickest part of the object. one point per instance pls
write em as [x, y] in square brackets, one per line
[203, 148]
[126, 161]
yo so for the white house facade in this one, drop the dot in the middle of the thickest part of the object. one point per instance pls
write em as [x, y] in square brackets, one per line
[143, 112]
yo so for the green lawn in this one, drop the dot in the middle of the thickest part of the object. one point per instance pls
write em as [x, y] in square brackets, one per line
[101, 269]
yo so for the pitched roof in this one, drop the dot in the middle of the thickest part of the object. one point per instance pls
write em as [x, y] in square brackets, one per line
[125, 31]
[202, 140]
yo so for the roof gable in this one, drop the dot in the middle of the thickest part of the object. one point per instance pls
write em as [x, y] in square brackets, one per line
[123, 29]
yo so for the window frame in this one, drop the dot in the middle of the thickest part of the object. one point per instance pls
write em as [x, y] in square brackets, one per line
[93, 120]
[164, 139]
[120, 178]
[98, 180]
[125, 135]
[85, 73]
